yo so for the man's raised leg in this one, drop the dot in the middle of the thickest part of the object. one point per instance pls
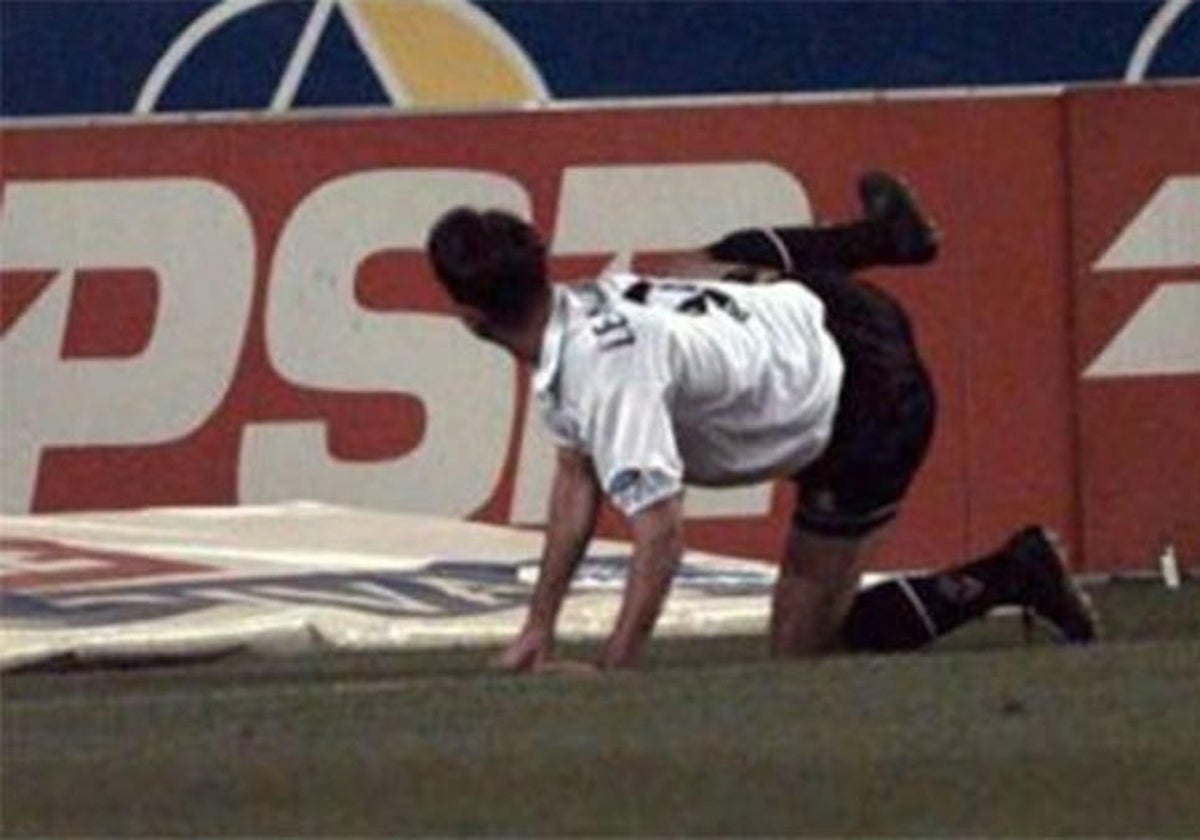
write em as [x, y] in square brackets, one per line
[893, 231]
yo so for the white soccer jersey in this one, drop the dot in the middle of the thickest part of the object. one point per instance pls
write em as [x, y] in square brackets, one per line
[664, 382]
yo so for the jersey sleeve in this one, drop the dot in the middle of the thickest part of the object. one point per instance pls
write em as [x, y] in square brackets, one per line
[560, 428]
[633, 445]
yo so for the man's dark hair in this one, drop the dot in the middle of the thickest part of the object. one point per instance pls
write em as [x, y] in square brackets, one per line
[490, 260]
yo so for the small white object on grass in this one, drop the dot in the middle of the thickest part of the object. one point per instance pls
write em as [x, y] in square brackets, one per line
[1168, 562]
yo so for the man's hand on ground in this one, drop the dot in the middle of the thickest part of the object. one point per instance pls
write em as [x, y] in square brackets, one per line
[529, 651]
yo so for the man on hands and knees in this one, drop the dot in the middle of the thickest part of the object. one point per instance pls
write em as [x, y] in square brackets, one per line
[648, 384]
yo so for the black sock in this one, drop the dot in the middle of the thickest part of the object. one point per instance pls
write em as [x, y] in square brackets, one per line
[910, 612]
[844, 247]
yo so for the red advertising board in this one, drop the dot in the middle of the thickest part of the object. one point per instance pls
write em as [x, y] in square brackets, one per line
[223, 312]
[1135, 210]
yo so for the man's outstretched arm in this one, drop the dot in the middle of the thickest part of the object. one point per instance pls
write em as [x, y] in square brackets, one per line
[658, 547]
[574, 499]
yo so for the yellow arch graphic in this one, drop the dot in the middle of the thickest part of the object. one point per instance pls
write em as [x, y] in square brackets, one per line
[447, 52]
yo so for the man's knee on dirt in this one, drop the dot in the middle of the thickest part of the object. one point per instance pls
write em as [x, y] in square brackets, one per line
[817, 581]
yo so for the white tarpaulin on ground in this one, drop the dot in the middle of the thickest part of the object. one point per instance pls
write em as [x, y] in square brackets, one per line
[298, 577]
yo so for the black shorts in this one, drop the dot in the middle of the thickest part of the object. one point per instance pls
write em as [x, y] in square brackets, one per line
[885, 416]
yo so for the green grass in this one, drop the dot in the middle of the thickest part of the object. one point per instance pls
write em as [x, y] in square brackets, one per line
[982, 735]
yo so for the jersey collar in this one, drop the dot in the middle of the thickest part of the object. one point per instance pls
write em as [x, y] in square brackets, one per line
[552, 340]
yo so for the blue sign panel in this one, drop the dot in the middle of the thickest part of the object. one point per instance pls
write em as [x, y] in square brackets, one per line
[142, 56]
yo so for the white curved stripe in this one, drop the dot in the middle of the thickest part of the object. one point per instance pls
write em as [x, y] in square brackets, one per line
[392, 86]
[785, 258]
[491, 29]
[306, 45]
[1152, 37]
[918, 606]
[181, 48]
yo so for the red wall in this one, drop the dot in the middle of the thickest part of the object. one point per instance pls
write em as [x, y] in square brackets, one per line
[1138, 437]
[1027, 189]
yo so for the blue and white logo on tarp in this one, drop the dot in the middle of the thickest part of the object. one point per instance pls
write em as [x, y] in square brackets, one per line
[444, 589]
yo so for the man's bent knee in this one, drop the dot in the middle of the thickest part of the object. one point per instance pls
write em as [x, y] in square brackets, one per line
[818, 579]
[805, 617]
